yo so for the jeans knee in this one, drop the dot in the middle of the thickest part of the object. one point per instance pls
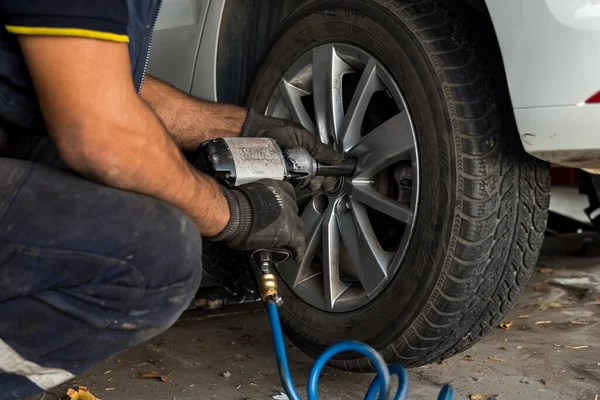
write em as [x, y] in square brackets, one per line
[171, 267]
[167, 247]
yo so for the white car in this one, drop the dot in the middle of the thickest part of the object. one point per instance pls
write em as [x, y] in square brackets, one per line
[452, 109]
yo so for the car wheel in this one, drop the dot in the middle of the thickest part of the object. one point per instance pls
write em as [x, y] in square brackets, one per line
[430, 243]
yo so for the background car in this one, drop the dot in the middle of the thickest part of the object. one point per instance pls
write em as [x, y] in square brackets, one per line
[452, 109]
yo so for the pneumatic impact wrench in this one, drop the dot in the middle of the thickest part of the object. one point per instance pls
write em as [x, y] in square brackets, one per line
[238, 161]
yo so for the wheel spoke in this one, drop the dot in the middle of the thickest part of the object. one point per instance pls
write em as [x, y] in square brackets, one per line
[389, 143]
[369, 83]
[334, 288]
[305, 269]
[292, 96]
[312, 218]
[369, 259]
[312, 221]
[366, 194]
[328, 70]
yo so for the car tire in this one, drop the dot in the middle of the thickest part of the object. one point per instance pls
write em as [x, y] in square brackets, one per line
[483, 201]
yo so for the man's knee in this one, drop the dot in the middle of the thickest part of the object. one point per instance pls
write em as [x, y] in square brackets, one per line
[167, 247]
[172, 269]
[110, 247]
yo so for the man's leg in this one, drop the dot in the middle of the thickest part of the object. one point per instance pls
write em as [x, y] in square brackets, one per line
[85, 272]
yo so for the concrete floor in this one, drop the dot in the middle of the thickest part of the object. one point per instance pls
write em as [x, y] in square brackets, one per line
[532, 361]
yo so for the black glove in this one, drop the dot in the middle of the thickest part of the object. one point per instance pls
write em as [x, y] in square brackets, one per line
[288, 133]
[264, 215]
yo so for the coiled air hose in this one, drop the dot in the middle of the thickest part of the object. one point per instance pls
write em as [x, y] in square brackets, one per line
[380, 385]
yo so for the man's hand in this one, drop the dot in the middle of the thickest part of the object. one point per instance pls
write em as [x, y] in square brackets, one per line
[290, 134]
[264, 215]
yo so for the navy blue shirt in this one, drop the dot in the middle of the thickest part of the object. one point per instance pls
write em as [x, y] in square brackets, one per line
[127, 21]
[99, 19]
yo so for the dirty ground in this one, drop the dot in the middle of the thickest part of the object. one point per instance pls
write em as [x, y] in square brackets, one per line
[551, 350]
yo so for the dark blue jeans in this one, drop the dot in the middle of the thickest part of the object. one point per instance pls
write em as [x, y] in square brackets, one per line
[85, 272]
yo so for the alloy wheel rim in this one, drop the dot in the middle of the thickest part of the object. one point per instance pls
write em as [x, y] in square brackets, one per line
[357, 236]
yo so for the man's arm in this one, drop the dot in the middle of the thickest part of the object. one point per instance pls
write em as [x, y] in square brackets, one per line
[104, 130]
[189, 120]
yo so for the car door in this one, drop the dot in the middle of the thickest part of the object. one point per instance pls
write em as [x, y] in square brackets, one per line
[176, 41]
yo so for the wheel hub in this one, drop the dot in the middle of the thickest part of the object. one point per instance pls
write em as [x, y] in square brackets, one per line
[358, 232]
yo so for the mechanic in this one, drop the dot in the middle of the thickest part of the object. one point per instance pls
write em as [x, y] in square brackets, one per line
[101, 215]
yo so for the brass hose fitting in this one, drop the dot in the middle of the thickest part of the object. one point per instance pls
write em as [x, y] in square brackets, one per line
[268, 287]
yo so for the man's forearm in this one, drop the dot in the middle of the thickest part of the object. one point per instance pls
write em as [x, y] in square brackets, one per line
[150, 163]
[191, 121]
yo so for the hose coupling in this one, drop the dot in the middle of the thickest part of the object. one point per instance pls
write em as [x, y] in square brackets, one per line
[267, 260]
[268, 289]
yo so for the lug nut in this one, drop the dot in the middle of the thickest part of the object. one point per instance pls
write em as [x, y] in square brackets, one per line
[343, 205]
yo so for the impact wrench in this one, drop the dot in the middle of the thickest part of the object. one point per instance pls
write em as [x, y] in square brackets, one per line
[238, 161]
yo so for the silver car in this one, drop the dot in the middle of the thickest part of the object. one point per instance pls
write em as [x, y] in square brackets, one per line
[450, 108]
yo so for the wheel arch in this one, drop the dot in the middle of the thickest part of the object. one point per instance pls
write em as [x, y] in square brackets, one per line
[249, 27]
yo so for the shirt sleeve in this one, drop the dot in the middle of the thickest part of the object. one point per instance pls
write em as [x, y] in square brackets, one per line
[96, 19]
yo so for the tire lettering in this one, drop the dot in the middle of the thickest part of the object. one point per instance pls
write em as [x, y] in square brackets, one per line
[332, 12]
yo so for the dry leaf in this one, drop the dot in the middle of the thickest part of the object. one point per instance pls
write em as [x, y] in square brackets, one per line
[483, 396]
[81, 394]
[542, 322]
[544, 382]
[577, 347]
[468, 358]
[555, 304]
[525, 382]
[523, 316]
[546, 270]
[578, 323]
[496, 359]
[153, 375]
[506, 325]
[443, 362]
[503, 348]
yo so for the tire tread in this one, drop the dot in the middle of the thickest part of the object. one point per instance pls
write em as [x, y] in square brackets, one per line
[474, 295]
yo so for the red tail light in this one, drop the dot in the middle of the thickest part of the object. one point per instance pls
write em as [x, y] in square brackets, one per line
[594, 99]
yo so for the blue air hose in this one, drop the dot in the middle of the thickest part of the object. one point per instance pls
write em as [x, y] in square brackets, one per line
[380, 385]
